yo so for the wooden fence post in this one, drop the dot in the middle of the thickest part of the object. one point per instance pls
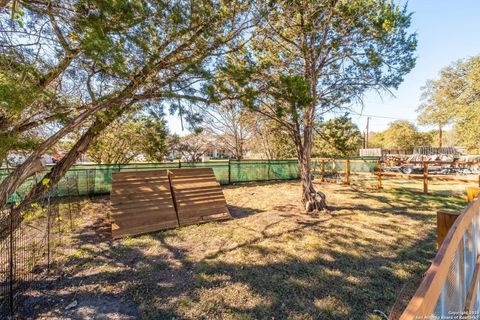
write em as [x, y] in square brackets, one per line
[179, 163]
[322, 171]
[347, 171]
[425, 177]
[379, 175]
[445, 220]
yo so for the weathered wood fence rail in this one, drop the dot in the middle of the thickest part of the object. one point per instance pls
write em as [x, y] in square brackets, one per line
[450, 288]
[380, 167]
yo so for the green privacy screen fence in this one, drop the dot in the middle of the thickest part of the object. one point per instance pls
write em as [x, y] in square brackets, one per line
[97, 179]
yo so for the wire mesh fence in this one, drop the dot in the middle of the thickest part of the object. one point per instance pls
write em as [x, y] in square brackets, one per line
[97, 179]
[30, 240]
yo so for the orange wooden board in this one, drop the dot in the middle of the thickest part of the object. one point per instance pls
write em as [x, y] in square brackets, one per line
[141, 203]
[198, 196]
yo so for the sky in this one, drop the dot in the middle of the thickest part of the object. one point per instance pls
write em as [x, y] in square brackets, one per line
[447, 30]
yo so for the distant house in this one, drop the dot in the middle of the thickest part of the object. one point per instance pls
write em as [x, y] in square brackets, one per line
[201, 147]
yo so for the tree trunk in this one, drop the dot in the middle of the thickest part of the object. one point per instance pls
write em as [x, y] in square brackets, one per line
[60, 169]
[440, 134]
[312, 200]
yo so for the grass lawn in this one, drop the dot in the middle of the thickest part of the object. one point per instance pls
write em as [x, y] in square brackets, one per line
[270, 262]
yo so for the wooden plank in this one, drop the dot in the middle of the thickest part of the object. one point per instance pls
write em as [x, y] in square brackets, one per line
[138, 196]
[144, 203]
[118, 232]
[198, 195]
[144, 219]
[347, 172]
[141, 203]
[445, 220]
[120, 212]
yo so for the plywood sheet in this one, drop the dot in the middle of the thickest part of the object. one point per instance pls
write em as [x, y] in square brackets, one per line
[141, 203]
[198, 196]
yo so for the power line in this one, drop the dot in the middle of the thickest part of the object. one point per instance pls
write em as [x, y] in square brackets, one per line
[380, 117]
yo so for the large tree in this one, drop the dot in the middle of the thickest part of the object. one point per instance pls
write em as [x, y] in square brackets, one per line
[81, 64]
[454, 97]
[435, 109]
[309, 57]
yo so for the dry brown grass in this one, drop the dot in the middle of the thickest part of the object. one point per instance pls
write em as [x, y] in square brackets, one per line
[270, 262]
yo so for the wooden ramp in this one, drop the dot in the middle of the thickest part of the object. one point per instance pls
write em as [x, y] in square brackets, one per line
[141, 203]
[148, 201]
[198, 196]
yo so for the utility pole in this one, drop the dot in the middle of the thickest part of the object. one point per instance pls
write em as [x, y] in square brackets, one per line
[440, 131]
[366, 133]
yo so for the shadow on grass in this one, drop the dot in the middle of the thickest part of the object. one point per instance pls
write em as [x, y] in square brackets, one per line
[242, 212]
[406, 203]
[345, 276]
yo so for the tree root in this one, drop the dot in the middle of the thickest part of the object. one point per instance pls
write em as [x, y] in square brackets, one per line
[317, 202]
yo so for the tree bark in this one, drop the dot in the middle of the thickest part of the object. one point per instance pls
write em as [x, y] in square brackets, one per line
[4, 3]
[312, 200]
[60, 169]
[440, 136]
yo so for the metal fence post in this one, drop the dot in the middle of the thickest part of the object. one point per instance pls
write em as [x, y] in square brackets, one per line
[379, 174]
[229, 171]
[268, 170]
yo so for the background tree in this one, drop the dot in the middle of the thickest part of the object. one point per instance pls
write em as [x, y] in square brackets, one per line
[337, 137]
[271, 141]
[435, 109]
[455, 93]
[192, 147]
[449, 137]
[129, 138]
[154, 133]
[309, 57]
[403, 135]
[230, 126]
